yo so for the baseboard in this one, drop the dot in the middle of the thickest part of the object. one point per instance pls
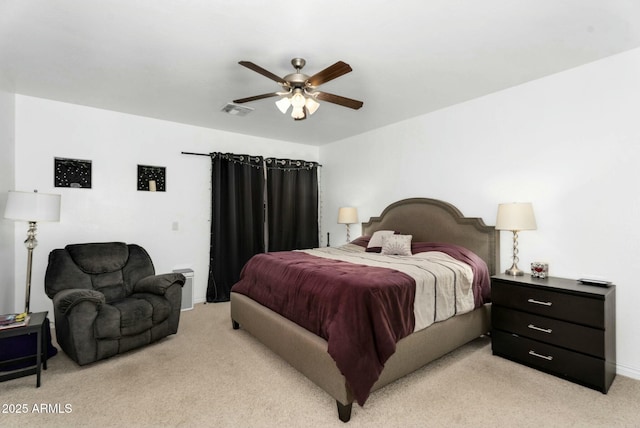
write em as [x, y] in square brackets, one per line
[632, 372]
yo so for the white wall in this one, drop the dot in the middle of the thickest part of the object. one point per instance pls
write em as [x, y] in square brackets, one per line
[113, 210]
[7, 172]
[568, 143]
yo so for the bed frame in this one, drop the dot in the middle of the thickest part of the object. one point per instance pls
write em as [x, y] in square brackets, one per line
[428, 220]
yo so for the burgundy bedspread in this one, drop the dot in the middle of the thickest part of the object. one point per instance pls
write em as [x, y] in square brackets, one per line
[361, 311]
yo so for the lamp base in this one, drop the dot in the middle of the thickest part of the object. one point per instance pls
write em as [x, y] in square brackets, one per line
[514, 271]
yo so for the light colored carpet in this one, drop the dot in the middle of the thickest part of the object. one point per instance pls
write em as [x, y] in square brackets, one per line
[209, 375]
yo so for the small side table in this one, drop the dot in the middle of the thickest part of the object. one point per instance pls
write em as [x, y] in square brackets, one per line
[36, 325]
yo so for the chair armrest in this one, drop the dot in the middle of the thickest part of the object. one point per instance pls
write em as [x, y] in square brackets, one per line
[65, 300]
[158, 284]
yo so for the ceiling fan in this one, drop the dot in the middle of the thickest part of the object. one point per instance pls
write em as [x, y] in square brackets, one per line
[299, 90]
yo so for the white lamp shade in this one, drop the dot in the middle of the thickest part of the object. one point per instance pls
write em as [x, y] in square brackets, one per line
[297, 99]
[283, 104]
[298, 113]
[347, 215]
[312, 105]
[516, 216]
[32, 206]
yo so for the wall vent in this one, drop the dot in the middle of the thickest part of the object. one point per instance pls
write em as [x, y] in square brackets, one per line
[187, 288]
[236, 110]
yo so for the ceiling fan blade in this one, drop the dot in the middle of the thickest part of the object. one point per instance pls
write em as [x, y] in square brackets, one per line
[337, 99]
[256, 97]
[333, 71]
[262, 71]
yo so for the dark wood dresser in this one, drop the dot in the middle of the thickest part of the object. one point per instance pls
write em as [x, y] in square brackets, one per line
[556, 325]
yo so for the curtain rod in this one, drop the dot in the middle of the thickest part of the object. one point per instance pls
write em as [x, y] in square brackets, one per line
[195, 154]
[207, 154]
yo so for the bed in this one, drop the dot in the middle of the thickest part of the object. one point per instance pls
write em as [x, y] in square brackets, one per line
[427, 220]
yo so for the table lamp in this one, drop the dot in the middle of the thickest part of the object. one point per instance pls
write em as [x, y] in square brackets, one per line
[348, 215]
[515, 216]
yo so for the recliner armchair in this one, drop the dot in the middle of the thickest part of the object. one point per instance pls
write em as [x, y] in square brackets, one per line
[107, 299]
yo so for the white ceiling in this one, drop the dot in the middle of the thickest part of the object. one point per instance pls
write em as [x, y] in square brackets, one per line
[177, 60]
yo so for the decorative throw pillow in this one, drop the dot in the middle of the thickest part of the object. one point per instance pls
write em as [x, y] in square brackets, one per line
[375, 243]
[399, 245]
[361, 241]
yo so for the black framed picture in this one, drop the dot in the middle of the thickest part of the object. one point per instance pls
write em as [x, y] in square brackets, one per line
[75, 173]
[152, 178]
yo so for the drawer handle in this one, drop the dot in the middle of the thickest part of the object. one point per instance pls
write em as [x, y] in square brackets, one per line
[545, 357]
[538, 302]
[544, 330]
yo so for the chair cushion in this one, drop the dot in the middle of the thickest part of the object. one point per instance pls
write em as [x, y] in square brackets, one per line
[99, 257]
[131, 316]
[161, 306]
[135, 315]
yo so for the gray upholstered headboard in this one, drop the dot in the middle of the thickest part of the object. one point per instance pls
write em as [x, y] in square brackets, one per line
[431, 220]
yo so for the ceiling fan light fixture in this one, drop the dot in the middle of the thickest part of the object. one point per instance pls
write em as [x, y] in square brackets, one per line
[300, 103]
[298, 113]
[311, 105]
[283, 104]
[297, 99]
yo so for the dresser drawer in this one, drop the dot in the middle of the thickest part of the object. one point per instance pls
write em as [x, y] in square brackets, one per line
[575, 337]
[580, 368]
[563, 306]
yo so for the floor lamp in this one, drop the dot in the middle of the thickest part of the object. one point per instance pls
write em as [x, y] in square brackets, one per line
[348, 215]
[32, 207]
[515, 216]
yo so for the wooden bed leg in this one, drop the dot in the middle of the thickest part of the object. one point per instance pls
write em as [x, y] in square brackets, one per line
[344, 411]
[235, 324]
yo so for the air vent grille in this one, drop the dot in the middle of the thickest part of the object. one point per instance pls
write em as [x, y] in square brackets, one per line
[236, 110]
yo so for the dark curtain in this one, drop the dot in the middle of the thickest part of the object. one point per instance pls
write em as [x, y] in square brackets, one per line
[292, 204]
[237, 219]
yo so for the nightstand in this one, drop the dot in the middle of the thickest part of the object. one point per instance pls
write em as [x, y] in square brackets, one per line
[556, 325]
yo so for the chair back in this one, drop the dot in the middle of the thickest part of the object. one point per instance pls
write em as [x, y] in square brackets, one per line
[112, 268]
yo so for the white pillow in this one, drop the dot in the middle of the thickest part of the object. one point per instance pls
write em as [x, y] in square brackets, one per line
[375, 243]
[399, 245]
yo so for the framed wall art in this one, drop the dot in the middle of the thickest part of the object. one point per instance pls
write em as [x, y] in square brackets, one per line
[75, 173]
[152, 178]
